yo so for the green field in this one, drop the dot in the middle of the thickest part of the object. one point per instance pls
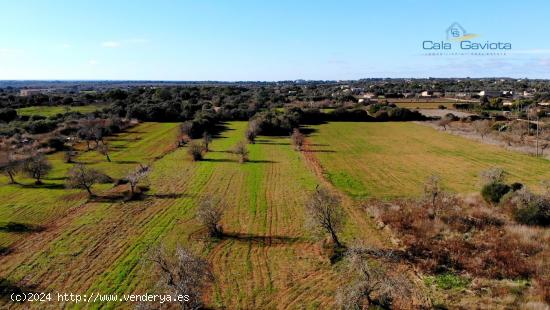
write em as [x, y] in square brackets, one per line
[385, 160]
[37, 205]
[54, 110]
[268, 259]
[274, 261]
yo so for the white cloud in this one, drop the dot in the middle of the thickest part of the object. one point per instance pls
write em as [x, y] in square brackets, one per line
[111, 44]
[93, 62]
[65, 45]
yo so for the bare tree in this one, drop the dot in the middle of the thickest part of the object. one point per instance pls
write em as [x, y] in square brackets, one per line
[10, 164]
[241, 151]
[137, 176]
[252, 131]
[79, 176]
[186, 129]
[103, 149]
[298, 139]
[483, 127]
[518, 131]
[206, 140]
[195, 150]
[444, 122]
[370, 285]
[210, 213]
[432, 189]
[37, 166]
[508, 137]
[184, 273]
[325, 213]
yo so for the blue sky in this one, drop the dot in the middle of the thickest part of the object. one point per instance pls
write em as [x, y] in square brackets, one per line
[264, 40]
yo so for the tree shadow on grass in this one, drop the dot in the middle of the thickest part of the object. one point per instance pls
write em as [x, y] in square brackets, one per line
[254, 161]
[271, 143]
[16, 227]
[319, 151]
[4, 250]
[308, 130]
[218, 160]
[44, 186]
[125, 162]
[167, 195]
[262, 240]
[8, 287]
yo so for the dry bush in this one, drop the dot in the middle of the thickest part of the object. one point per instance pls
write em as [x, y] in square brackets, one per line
[492, 175]
[460, 238]
[372, 283]
[483, 127]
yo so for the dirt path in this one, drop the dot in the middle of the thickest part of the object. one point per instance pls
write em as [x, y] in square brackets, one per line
[365, 224]
[367, 230]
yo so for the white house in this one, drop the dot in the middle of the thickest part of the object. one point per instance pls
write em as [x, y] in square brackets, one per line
[490, 93]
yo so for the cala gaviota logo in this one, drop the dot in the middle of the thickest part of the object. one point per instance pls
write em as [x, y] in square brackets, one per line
[457, 38]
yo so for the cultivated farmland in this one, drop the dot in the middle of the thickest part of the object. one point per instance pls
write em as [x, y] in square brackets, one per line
[385, 160]
[266, 258]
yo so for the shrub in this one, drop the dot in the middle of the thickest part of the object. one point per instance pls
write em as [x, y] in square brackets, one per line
[56, 143]
[493, 192]
[534, 211]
